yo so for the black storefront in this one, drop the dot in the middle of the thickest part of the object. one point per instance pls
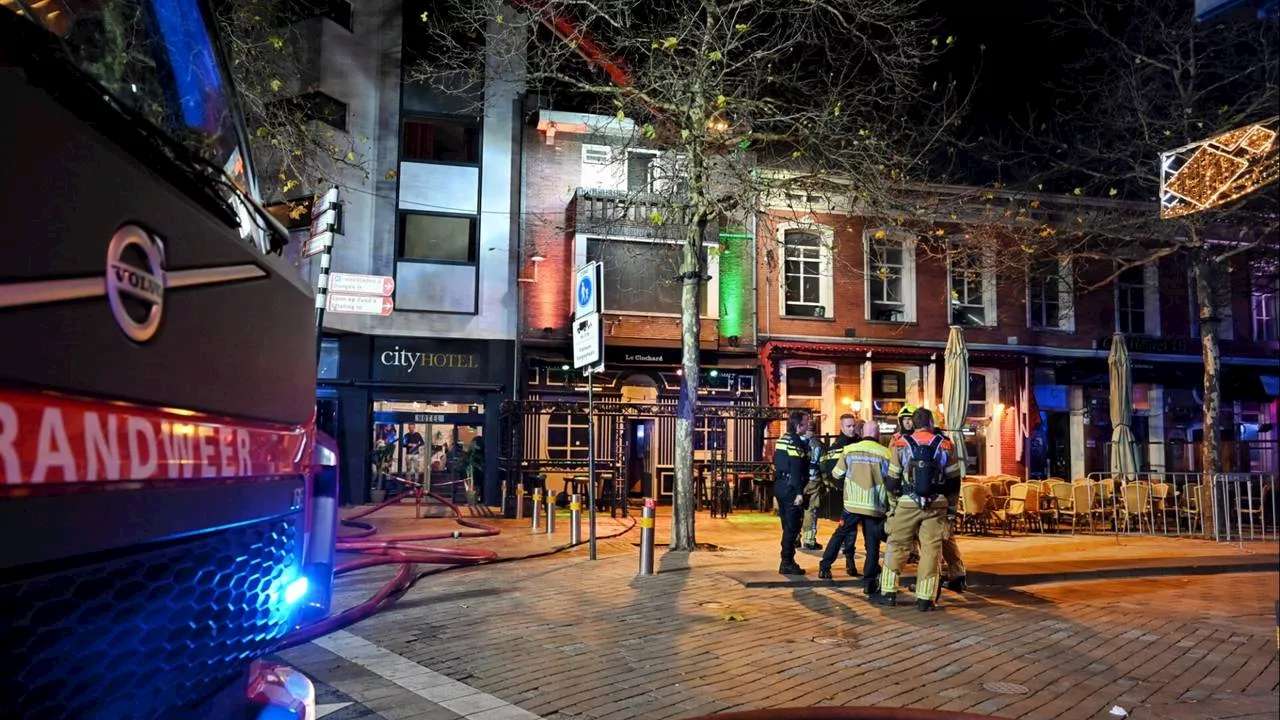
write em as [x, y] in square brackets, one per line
[383, 396]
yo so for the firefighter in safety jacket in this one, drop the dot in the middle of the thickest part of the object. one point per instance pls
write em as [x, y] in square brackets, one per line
[950, 549]
[926, 457]
[863, 466]
[791, 468]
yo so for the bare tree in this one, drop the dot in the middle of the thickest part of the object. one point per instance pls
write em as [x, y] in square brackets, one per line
[273, 63]
[750, 97]
[1149, 80]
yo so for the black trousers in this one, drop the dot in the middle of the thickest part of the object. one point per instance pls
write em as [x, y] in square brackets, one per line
[792, 518]
[843, 538]
[872, 536]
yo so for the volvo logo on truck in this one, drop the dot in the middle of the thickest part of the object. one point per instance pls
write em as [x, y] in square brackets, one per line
[136, 282]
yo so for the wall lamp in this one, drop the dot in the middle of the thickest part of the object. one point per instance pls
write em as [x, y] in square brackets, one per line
[536, 259]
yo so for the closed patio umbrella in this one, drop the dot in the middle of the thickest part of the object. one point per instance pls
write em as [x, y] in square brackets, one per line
[1124, 451]
[955, 390]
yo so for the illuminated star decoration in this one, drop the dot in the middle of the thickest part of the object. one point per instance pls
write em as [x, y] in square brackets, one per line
[1223, 168]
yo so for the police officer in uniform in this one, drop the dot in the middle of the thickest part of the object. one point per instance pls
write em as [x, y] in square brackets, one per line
[850, 429]
[791, 467]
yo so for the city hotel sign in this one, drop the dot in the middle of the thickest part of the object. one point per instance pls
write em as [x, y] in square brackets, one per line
[410, 360]
[441, 361]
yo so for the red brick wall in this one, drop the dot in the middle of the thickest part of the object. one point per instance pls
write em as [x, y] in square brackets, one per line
[1010, 437]
[1094, 311]
[551, 173]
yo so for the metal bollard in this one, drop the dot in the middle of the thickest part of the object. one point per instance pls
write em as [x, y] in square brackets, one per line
[551, 513]
[537, 509]
[646, 536]
[575, 519]
[519, 502]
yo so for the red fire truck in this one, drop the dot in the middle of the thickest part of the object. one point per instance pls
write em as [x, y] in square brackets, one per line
[167, 510]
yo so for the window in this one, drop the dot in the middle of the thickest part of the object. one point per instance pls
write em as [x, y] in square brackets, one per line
[890, 263]
[973, 288]
[640, 277]
[1050, 298]
[807, 281]
[339, 11]
[804, 390]
[441, 238]
[636, 171]
[567, 436]
[447, 141]
[1265, 325]
[977, 397]
[327, 367]
[708, 433]
[1137, 298]
[317, 107]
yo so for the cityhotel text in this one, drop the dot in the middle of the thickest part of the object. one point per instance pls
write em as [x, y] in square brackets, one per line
[414, 360]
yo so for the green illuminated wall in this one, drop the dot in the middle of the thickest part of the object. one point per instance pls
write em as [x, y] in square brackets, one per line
[735, 281]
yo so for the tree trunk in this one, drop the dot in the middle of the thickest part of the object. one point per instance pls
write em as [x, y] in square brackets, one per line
[682, 536]
[1211, 452]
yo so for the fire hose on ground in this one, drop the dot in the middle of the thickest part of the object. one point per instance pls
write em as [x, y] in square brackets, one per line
[403, 551]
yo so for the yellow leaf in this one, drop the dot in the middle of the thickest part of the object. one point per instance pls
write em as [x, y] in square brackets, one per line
[714, 55]
[262, 132]
[500, 20]
[649, 131]
[735, 617]
[741, 28]
[684, 134]
[934, 42]
[1035, 203]
[351, 156]
[721, 100]
[880, 235]
[621, 116]
[1077, 191]
[950, 39]
[1113, 192]
[290, 185]
[836, 111]
[276, 42]
[670, 43]
[391, 175]
[276, 85]
[423, 16]
[656, 218]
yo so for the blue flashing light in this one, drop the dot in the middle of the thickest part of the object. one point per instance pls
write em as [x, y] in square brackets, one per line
[296, 590]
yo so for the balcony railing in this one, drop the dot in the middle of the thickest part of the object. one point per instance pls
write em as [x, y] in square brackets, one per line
[618, 212]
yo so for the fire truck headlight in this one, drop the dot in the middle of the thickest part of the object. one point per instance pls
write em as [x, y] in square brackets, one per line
[295, 590]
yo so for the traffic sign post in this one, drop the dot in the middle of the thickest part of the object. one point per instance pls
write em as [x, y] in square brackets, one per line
[588, 356]
[352, 284]
[360, 304]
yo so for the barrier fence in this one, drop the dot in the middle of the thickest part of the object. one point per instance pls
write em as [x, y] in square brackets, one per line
[1229, 507]
[1244, 507]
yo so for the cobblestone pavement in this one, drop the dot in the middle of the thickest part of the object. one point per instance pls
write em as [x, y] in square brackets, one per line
[564, 637]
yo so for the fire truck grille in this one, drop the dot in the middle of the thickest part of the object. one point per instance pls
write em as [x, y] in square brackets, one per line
[145, 634]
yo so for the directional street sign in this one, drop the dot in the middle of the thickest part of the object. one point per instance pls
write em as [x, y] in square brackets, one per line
[352, 284]
[588, 296]
[360, 304]
[588, 341]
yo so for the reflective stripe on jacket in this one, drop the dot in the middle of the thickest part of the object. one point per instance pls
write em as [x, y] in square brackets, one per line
[863, 465]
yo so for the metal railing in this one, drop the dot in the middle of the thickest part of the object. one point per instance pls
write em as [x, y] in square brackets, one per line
[1228, 507]
[1244, 507]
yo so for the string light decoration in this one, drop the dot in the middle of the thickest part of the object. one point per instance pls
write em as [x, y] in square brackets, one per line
[1223, 168]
